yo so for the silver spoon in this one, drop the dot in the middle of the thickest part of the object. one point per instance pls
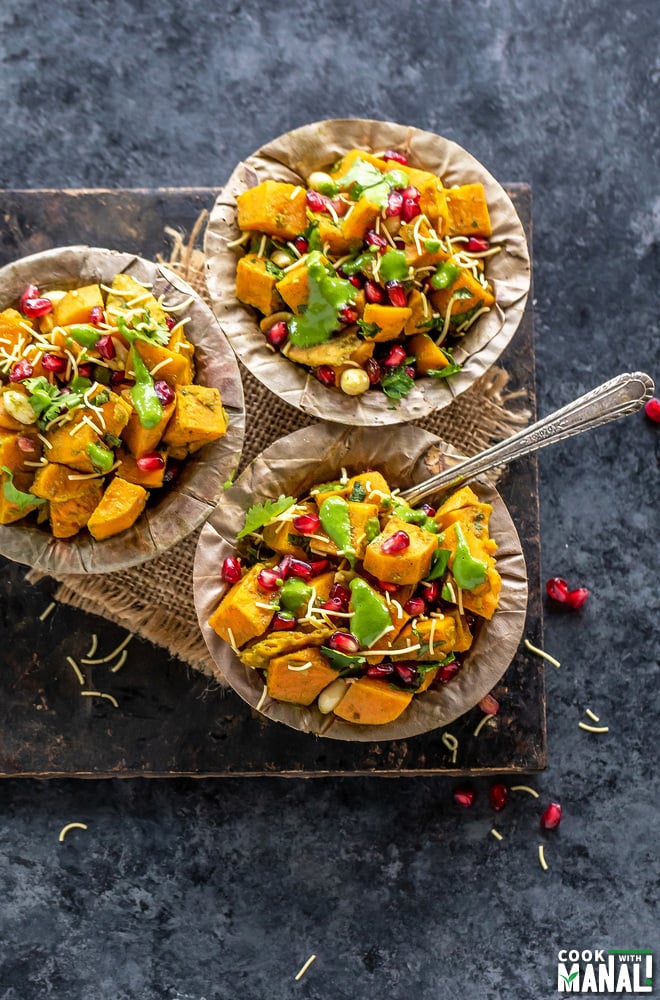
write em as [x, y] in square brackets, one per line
[616, 398]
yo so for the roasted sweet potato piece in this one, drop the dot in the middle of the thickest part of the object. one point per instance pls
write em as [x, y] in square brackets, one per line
[290, 679]
[199, 417]
[468, 211]
[69, 444]
[273, 207]
[55, 482]
[475, 296]
[390, 320]
[359, 218]
[280, 536]
[428, 356]
[255, 285]
[141, 440]
[150, 479]
[76, 305]
[333, 237]
[371, 702]
[239, 618]
[435, 636]
[9, 511]
[14, 332]
[358, 514]
[408, 566]
[130, 294]
[67, 517]
[260, 653]
[14, 451]
[176, 369]
[119, 508]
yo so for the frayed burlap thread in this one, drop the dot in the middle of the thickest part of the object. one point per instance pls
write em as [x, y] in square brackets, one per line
[155, 600]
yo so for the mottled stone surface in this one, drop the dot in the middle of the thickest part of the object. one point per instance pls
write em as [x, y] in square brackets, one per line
[222, 889]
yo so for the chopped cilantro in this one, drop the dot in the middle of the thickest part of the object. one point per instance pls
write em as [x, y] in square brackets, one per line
[275, 271]
[261, 513]
[25, 501]
[397, 383]
[368, 329]
[358, 493]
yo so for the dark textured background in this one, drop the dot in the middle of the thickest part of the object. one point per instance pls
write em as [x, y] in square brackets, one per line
[221, 889]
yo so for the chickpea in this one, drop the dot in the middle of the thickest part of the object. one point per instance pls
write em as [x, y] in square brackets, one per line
[354, 381]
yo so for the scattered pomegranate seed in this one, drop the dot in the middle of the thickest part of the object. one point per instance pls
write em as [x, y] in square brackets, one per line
[374, 239]
[557, 589]
[551, 817]
[96, 315]
[396, 293]
[348, 314]
[489, 705]
[394, 204]
[22, 369]
[406, 673]
[431, 592]
[415, 606]
[164, 391]
[150, 462]
[399, 243]
[31, 292]
[342, 594]
[36, 307]
[53, 363]
[464, 795]
[373, 292]
[411, 192]
[170, 322]
[477, 244]
[332, 604]
[316, 202]
[498, 795]
[277, 334]
[85, 370]
[283, 622]
[269, 578]
[397, 542]
[344, 642]
[301, 244]
[318, 566]
[231, 570]
[295, 567]
[652, 410]
[409, 209]
[172, 471]
[325, 374]
[306, 524]
[379, 670]
[25, 444]
[392, 154]
[576, 598]
[448, 671]
[106, 348]
[356, 280]
[428, 509]
[116, 378]
[411, 371]
[388, 588]
[396, 356]
[372, 368]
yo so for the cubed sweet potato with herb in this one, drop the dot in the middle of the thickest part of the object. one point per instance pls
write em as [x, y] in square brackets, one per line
[76, 305]
[119, 508]
[141, 440]
[130, 294]
[67, 517]
[59, 482]
[173, 367]
[390, 320]
[9, 510]
[17, 449]
[128, 469]
[299, 677]
[371, 702]
[408, 566]
[428, 356]
[255, 283]
[468, 211]
[69, 445]
[244, 612]
[339, 350]
[273, 207]
[199, 417]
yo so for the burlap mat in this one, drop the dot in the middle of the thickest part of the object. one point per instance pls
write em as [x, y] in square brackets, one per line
[155, 600]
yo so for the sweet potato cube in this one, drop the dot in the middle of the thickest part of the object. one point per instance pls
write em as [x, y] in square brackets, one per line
[373, 482]
[116, 413]
[239, 618]
[468, 211]
[119, 508]
[475, 296]
[255, 285]
[288, 682]
[199, 417]
[358, 514]
[419, 243]
[294, 286]
[371, 702]
[13, 453]
[390, 320]
[333, 237]
[280, 536]
[432, 199]
[339, 350]
[69, 448]
[175, 368]
[339, 171]
[483, 600]
[434, 635]
[427, 679]
[130, 294]
[140, 440]
[12, 333]
[428, 356]
[360, 217]
[128, 469]
[55, 482]
[259, 653]
[76, 305]
[10, 512]
[273, 207]
[463, 638]
[464, 497]
[67, 517]
[407, 566]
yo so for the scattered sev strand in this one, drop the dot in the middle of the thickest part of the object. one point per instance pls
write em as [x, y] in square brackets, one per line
[542, 861]
[592, 715]
[305, 967]
[110, 656]
[482, 723]
[100, 694]
[525, 788]
[264, 695]
[70, 826]
[120, 662]
[47, 611]
[541, 653]
[593, 729]
[497, 834]
[92, 648]
[76, 669]
[451, 743]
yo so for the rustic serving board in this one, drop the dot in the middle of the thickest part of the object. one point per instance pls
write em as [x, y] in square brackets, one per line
[170, 721]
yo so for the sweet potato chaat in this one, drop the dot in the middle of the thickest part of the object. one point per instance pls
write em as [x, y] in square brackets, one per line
[98, 404]
[370, 274]
[352, 599]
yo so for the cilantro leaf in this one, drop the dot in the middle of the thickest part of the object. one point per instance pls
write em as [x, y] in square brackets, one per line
[260, 514]
[368, 329]
[13, 495]
[275, 271]
[397, 383]
[143, 327]
[358, 493]
[450, 369]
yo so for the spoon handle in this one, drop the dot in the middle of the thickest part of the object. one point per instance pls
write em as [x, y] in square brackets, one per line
[616, 398]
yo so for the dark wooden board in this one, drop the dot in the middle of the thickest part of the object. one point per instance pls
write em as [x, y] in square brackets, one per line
[170, 722]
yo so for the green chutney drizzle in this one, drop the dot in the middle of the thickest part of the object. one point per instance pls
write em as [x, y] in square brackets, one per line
[327, 296]
[467, 571]
[336, 523]
[295, 593]
[370, 614]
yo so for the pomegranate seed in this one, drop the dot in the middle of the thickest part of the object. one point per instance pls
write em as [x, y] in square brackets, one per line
[409, 209]
[164, 391]
[373, 292]
[397, 542]
[431, 592]
[22, 369]
[31, 292]
[53, 363]
[106, 348]
[85, 370]
[407, 674]
[96, 315]
[399, 243]
[477, 244]
[498, 795]
[411, 192]
[489, 705]
[318, 566]
[576, 598]
[551, 817]
[36, 307]
[170, 322]
[415, 606]
[342, 594]
[374, 239]
[464, 795]
[388, 588]
[269, 579]
[372, 368]
[344, 642]
[25, 444]
[391, 154]
[557, 589]
[306, 524]
[332, 604]
[316, 202]
[448, 671]
[325, 374]
[380, 670]
[301, 244]
[295, 567]
[396, 356]
[277, 334]
[394, 204]
[172, 470]
[356, 280]
[348, 314]
[652, 410]
[283, 622]
[116, 378]
[231, 570]
[396, 293]
[151, 462]
[428, 509]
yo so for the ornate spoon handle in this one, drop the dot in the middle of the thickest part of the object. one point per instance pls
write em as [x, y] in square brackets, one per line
[616, 398]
